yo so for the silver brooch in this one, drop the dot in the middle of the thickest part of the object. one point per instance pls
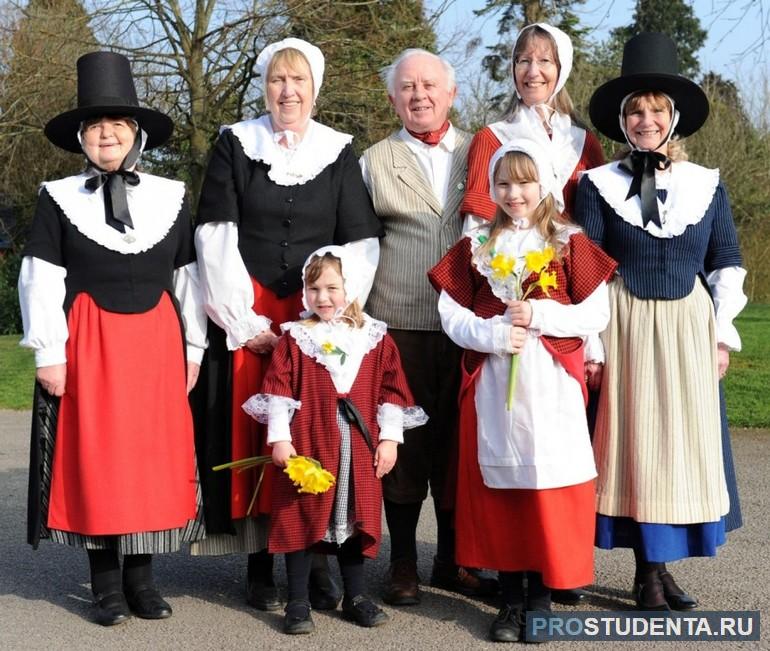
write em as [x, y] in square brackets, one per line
[128, 238]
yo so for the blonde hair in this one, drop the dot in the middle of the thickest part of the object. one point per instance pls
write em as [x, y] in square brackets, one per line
[293, 59]
[561, 102]
[313, 271]
[675, 148]
[546, 216]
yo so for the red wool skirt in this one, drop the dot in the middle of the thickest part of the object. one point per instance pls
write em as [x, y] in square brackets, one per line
[550, 531]
[249, 436]
[124, 460]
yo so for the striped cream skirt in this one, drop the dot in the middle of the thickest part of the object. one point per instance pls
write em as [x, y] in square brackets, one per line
[657, 440]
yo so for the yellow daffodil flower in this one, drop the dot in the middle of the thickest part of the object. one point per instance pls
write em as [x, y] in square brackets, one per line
[308, 475]
[502, 265]
[537, 261]
[327, 347]
[546, 281]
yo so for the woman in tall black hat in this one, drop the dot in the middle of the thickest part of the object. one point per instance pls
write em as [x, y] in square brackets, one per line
[277, 188]
[110, 303]
[666, 484]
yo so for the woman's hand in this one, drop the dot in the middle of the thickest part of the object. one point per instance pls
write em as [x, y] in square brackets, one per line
[520, 312]
[282, 451]
[385, 458]
[193, 370]
[264, 342]
[594, 372]
[723, 359]
[518, 337]
[53, 378]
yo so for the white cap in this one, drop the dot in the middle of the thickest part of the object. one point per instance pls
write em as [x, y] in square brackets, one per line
[549, 181]
[357, 272]
[314, 56]
[563, 50]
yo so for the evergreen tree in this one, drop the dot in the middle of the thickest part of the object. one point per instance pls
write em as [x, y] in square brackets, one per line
[358, 40]
[672, 17]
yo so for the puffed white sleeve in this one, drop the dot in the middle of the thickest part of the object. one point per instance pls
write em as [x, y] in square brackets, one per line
[579, 320]
[367, 255]
[594, 349]
[727, 290]
[473, 332]
[228, 295]
[41, 298]
[274, 411]
[472, 222]
[365, 174]
[187, 290]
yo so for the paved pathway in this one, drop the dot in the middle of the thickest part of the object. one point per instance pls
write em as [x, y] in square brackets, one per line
[45, 599]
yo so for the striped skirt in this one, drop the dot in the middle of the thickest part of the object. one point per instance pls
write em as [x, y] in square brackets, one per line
[657, 442]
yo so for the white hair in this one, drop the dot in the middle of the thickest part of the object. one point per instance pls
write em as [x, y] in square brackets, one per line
[388, 73]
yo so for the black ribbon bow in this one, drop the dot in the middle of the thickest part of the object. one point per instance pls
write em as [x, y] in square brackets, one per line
[116, 211]
[642, 165]
[353, 416]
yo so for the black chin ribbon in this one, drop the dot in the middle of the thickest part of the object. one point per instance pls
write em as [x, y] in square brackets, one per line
[642, 165]
[353, 416]
[116, 212]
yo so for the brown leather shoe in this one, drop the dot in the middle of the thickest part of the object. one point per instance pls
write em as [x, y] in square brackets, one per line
[401, 584]
[463, 580]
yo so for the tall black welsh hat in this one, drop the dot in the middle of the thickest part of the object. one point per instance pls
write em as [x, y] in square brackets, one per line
[650, 63]
[106, 88]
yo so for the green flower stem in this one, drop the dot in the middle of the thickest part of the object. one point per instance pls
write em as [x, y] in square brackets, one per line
[512, 381]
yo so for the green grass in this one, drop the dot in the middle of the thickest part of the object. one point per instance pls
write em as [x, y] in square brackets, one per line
[17, 372]
[748, 378]
[746, 383]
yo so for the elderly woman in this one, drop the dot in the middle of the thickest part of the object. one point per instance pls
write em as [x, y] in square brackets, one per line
[666, 483]
[108, 290]
[277, 188]
[541, 110]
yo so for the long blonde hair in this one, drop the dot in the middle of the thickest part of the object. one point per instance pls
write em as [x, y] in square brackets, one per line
[545, 217]
[313, 271]
[561, 102]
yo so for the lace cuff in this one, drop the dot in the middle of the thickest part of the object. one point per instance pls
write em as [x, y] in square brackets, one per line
[393, 420]
[501, 339]
[241, 332]
[274, 411]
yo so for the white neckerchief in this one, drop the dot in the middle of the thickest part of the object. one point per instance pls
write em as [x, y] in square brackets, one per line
[690, 189]
[154, 205]
[324, 341]
[515, 243]
[319, 148]
[565, 146]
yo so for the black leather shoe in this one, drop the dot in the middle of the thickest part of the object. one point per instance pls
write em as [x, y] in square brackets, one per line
[402, 585]
[297, 620]
[262, 595]
[649, 595]
[508, 626]
[111, 609]
[148, 604]
[364, 612]
[568, 597]
[324, 593]
[676, 598]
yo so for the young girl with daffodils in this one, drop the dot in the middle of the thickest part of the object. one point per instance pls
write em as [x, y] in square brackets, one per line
[519, 295]
[335, 391]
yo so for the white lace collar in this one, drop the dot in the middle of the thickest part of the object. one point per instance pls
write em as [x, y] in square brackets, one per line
[154, 205]
[690, 189]
[565, 144]
[319, 148]
[337, 347]
[514, 244]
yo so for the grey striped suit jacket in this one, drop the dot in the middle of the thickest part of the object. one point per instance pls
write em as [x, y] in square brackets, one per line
[419, 231]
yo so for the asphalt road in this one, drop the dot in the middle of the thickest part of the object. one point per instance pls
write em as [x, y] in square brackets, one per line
[45, 600]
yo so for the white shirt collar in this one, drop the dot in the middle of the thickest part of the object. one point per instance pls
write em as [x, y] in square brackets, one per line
[447, 143]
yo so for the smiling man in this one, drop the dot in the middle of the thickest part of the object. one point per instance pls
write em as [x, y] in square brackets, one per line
[416, 177]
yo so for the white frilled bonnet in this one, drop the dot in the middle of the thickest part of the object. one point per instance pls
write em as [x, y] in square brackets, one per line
[357, 272]
[314, 56]
[549, 182]
[563, 50]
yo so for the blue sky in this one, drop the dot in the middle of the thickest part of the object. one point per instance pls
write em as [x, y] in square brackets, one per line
[738, 45]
